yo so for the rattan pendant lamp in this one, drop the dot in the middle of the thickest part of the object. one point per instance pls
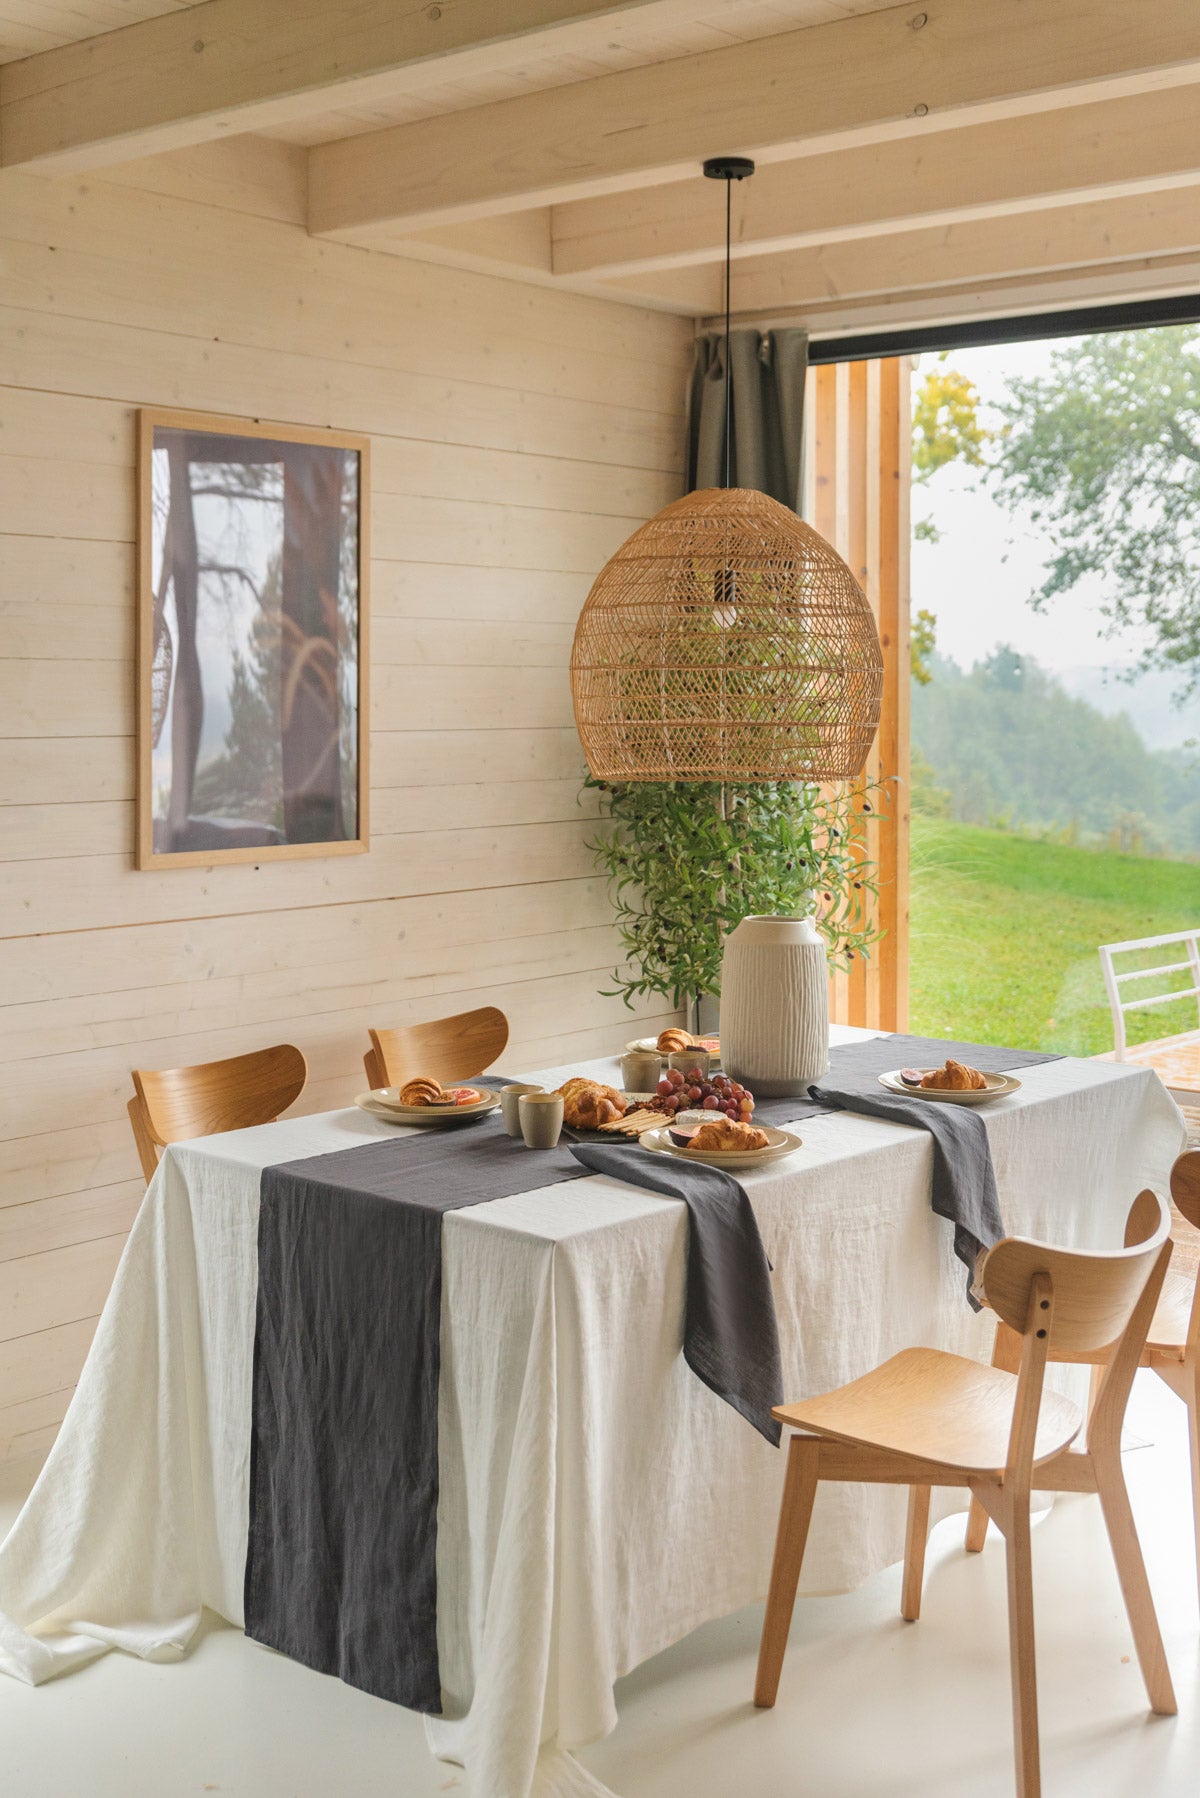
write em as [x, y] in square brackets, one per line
[726, 640]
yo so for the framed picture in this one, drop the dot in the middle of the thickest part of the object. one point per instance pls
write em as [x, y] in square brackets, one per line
[252, 634]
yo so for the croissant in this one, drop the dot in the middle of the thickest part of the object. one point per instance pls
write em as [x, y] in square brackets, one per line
[673, 1041]
[587, 1104]
[955, 1077]
[423, 1089]
[727, 1133]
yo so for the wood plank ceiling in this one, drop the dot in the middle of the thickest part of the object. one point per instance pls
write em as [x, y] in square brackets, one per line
[916, 164]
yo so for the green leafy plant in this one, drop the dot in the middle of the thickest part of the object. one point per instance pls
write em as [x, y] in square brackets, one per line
[688, 860]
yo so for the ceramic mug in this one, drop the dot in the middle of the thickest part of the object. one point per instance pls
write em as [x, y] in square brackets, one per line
[541, 1119]
[510, 1099]
[641, 1070]
[687, 1059]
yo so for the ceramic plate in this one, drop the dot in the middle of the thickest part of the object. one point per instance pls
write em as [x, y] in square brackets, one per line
[384, 1103]
[779, 1143]
[998, 1085]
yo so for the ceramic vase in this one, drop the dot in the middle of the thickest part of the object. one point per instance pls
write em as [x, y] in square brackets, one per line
[775, 1005]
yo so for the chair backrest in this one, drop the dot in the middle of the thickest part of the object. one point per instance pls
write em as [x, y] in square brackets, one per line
[1185, 1186]
[448, 1048]
[1068, 1303]
[176, 1104]
[1114, 981]
[1095, 1291]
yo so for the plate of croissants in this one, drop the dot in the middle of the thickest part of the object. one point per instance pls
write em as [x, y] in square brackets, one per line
[425, 1101]
[721, 1141]
[674, 1041]
[954, 1084]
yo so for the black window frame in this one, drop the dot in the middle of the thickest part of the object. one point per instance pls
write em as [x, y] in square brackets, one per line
[1083, 321]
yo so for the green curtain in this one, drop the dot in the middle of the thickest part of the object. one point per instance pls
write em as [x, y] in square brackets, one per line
[768, 413]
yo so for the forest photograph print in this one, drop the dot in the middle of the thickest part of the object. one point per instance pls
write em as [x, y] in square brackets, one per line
[252, 614]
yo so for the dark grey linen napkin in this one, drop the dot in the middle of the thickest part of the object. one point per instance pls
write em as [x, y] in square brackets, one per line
[964, 1180]
[730, 1333]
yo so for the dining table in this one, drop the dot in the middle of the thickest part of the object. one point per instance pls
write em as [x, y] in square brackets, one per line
[595, 1500]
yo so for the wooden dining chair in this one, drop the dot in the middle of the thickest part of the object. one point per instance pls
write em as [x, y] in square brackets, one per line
[448, 1048]
[926, 1419]
[175, 1104]
[1172, 1346]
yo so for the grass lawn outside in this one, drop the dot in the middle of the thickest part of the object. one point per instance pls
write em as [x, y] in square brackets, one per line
[1005, 932]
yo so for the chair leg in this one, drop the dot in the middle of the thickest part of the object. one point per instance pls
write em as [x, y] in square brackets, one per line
[1022, 1659]
[1192, 1373]
[977, 1523]
[915, 1537]
[1095, 1380]
[1006, 1353]
[799, 1491]
[1135, 1587]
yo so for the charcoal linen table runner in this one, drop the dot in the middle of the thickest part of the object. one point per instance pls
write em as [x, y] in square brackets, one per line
[341, 1554]
[862, 1063]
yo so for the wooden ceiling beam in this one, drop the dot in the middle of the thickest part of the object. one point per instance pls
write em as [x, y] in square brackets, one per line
[231, 66]
[867, 79]
[979, 254]
[1110, 148]
[1154, 277]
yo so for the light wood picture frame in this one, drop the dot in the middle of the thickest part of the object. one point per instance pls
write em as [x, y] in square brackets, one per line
[252, 663]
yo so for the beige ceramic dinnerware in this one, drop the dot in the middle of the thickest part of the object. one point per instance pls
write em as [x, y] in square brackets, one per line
[510, 1101]
[541, 1119]
[384, 1102]
[779, 1143]
[998, 1087]
[641, 1070]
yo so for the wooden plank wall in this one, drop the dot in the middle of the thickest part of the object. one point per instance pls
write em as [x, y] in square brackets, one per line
[518, 435]
[858, 472]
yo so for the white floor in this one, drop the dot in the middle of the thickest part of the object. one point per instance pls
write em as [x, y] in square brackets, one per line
[869, 1706]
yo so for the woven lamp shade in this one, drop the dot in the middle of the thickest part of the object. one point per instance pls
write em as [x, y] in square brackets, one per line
[726, 640]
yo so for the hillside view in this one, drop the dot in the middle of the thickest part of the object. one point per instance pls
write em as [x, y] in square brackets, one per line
[1005, 744]
[1055, 575]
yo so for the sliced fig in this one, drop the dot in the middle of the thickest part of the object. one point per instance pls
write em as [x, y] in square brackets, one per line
[911, 1076]
[682, 1134]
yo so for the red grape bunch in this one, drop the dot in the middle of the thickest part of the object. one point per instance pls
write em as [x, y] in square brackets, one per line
[694, 1091]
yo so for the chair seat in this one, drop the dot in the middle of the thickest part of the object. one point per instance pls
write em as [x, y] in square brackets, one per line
[936, 1407]
[1172, 1314]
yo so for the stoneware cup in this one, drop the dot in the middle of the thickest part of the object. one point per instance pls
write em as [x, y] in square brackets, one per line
[687, 1059]
[510, 1100]
[641, 1070]
[541, 1119]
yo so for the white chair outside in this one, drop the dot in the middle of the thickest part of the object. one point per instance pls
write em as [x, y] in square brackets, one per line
[1176, 1059]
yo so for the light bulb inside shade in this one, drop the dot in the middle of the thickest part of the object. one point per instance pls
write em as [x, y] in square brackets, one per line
[725, 598]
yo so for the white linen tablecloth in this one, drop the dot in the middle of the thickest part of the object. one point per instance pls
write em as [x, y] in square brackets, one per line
[596, 1501]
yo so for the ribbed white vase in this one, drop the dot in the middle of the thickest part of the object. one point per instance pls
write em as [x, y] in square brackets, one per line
[775, 1005]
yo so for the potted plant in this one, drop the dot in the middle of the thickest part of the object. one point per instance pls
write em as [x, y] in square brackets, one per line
[688, 860]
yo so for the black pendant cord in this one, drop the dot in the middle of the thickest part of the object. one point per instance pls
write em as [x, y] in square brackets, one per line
[728, 369]
[728, 169]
